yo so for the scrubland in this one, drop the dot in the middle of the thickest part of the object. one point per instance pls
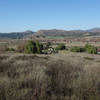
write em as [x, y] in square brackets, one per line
[72, 76]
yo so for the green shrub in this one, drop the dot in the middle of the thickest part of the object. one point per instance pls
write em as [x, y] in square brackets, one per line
[87, 46]
[10, 49]
[61, 47]
[39, 47]
[30, 47]
[33, 47]
[91, 49]
[77, 49]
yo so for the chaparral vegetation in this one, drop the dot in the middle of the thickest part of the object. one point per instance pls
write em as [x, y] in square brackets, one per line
[32, 70]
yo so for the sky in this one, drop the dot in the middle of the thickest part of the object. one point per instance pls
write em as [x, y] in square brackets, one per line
[22, 15]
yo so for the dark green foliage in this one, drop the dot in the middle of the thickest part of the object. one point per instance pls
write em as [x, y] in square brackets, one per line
[88, 48]
[61, 47]
[33, 47]
[77, 49]
[10, 49]
[91, 49]
[39, 47]
[30, 47]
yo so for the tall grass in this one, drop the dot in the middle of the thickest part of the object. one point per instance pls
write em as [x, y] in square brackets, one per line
[29, 77]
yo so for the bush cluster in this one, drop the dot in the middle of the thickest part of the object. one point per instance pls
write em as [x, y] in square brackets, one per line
[91, 49]
[88, 48]
[10, 49]
[77, 49]
[33, 47]
[61, 47]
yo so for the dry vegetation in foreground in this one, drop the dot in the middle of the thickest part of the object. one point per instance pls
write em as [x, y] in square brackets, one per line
[54, 77]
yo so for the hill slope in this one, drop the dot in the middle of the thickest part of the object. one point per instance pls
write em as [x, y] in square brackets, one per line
[16, 34]
[75, 33]
[53, 32]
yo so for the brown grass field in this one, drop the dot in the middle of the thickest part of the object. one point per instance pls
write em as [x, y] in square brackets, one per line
[60, 76]
[63, 76]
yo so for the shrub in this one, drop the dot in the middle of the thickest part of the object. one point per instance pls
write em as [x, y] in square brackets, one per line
[77, 49]
[61, 47]
[47, 45]
[10, 49]
[33, 47]
[39, 47]
[91, 49]
[30, 47]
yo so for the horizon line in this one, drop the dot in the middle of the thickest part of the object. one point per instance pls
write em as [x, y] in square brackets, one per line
[74, 29]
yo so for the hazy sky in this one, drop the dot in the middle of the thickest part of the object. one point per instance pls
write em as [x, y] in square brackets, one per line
[21, 15]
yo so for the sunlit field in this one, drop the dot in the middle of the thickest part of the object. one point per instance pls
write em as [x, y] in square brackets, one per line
[71, 76]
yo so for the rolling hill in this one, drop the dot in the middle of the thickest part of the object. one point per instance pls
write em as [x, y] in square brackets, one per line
[53, 33]
[14, 35]
[72, 33]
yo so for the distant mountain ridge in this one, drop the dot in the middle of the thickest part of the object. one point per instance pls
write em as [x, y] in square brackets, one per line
[56, 32]
[52, 32]
[73, 33]
[14, 35]
[94, 30]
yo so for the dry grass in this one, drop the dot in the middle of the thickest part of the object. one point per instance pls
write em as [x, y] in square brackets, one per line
[59, 76]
